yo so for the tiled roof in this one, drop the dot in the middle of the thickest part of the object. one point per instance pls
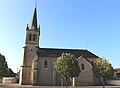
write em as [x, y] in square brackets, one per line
[117, 69]
[57, 52]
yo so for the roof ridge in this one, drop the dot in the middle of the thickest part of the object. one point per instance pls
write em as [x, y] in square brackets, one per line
[64, 48]
[58, 51]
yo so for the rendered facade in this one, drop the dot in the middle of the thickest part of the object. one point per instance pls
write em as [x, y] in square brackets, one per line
[38, 68]
[117, 73]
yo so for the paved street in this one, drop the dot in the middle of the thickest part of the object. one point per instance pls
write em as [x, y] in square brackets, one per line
[29, 86]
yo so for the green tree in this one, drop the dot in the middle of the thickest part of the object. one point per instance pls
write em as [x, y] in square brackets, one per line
[3, 66]
[10, 73]
[103, 69]
[4, 70]
[67, 66]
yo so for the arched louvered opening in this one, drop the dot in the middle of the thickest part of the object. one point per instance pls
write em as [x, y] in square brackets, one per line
[34, 37]
[30, 37]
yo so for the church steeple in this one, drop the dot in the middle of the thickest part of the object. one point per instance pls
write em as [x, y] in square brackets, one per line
[33, 24]
[29, 51]
[33, 31]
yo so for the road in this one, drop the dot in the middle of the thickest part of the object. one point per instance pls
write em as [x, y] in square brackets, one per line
[29, 86]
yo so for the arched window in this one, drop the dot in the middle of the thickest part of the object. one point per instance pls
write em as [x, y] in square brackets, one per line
[82, 66]
[35, 76]
[34, 37]
[45, 64]
[30, 37]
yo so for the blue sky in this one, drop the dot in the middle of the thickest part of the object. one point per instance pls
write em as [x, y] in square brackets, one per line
[76, 24]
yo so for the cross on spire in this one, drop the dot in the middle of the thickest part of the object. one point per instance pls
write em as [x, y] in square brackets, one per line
[35, 3]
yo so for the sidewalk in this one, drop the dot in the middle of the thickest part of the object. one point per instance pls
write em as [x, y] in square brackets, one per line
[30, 86]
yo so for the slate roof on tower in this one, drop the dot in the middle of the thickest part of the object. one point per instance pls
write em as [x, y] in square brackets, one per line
[45, 52]
[33, 24]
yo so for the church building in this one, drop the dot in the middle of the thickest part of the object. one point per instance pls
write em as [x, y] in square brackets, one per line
[37, 67]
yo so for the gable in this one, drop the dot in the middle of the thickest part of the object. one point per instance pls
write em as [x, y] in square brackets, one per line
[84, 61]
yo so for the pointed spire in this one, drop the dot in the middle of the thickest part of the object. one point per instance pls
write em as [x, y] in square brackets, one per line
[33, 24]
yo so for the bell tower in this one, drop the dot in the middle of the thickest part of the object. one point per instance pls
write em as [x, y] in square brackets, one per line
[33, 32]
[28, 53]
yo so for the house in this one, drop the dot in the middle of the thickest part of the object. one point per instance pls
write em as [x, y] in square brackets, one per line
[117, 73]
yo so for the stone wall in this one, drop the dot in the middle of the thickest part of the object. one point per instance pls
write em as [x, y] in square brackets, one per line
[9, 80]
[46, 74]
[86, 75]
[113, 82]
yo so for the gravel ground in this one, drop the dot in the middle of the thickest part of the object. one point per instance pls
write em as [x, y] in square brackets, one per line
[29, 86]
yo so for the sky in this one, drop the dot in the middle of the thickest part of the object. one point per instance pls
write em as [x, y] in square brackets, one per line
[72, 24]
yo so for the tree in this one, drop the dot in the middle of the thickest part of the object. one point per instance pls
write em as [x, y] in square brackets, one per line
[10, 73]
[102, 69]
[3, 66]
[4, 70]
[67, 66]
